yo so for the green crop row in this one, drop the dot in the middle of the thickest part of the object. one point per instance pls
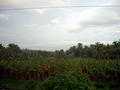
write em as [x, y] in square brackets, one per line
[104, 70]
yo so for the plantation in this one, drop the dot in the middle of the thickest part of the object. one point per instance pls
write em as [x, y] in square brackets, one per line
[61, 74]
[59, 45]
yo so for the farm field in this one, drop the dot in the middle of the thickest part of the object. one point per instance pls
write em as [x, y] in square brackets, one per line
[60, 74]
[59, 45]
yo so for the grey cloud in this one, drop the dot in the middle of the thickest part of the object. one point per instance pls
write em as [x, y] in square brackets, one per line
[99, 18]
[30, 3]
[31, 30]
[14, 3]
[102, 21]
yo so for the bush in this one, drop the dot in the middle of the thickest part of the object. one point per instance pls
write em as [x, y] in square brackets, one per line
[32, 85]
[67, 83]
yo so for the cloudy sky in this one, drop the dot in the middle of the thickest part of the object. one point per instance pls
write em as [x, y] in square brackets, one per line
[58, 28]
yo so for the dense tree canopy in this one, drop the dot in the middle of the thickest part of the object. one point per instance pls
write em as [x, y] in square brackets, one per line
[97, 50]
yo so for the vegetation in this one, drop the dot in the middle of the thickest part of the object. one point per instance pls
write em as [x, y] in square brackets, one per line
[79, 73]
[98, 50]
[79, 68]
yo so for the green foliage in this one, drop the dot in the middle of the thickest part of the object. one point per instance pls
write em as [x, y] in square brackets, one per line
[64, 74]
[68, 82]
[97, 50]
[32, 85]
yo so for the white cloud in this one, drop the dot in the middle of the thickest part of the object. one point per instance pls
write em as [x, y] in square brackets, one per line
[4, 16]
[72, 28]
[32, 4]
[14, 3]
[57, 3]
[93, 19]
[106, 42]
[92, 23]
[31, 25]
[116, 32]
[39, 11]
[56, 21]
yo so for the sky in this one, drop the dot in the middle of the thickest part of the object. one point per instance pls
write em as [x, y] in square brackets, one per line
[58, 28]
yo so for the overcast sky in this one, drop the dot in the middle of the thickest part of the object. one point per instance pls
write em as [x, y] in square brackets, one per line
[58, 28]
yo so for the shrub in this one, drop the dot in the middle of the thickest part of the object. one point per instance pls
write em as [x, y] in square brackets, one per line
[69, 82]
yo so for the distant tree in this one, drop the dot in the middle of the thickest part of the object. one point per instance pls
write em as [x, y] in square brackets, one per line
[1, 46]
[97, 50]
[71, 52]
[13, 51]
[14, 48]
[79, 49]
[1, 51]
[116, 45]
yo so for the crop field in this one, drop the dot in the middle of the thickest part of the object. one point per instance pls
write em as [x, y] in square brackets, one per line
[61, 74]
[59, 45]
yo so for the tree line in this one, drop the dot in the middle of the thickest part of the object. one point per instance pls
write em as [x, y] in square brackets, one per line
[97, 50]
